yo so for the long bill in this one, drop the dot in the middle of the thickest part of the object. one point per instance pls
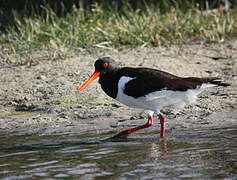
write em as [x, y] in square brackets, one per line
[95, 75]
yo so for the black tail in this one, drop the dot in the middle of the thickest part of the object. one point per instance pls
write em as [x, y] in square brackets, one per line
[218, 82]
[211, 80]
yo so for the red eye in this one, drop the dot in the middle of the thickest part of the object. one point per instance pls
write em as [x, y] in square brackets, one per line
[105, 65]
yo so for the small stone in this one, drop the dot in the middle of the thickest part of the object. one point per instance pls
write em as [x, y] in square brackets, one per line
[133, 118]
[121, 120]
[115, 105]
[42, 77]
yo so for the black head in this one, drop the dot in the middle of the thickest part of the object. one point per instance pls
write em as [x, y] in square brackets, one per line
[105, 64]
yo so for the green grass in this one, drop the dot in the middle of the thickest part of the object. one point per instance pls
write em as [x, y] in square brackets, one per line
[106, 28]
[7, 114]
[73, 101]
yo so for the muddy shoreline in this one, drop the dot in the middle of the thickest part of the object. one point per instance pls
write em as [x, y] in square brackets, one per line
[41, 99]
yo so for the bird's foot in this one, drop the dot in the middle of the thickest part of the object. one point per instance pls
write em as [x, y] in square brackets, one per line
[122, 135]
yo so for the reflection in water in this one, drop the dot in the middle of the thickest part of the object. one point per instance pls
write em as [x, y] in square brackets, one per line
[157, 150]
[207, 154]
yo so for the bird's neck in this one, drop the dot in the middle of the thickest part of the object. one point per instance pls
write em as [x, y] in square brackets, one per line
[109, 83]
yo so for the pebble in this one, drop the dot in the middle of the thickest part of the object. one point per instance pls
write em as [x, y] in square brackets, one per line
[41, 77]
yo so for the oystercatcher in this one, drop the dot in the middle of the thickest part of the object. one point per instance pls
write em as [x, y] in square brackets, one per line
[148, 89]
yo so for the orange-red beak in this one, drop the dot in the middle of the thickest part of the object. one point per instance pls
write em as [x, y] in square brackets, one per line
[95, 75]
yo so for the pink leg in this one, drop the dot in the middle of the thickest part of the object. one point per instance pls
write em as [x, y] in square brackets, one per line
[125, 133]
[162, 124]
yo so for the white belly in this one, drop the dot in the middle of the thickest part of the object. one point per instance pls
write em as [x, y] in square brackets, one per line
[157, 100]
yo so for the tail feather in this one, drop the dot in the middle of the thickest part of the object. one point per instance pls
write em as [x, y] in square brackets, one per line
[209, 80]
[218, 81]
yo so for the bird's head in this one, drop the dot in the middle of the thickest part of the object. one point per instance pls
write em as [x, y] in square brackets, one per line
[103, 66]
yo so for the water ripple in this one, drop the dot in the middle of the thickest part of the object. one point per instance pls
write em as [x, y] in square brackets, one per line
[194, 154]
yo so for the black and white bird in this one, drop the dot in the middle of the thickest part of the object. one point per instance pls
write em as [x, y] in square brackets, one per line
[148, 89]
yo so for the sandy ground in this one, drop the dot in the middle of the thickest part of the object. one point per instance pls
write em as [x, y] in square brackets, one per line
[42, 99]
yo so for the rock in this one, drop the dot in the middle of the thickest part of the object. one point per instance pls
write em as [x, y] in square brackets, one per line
[41, 77]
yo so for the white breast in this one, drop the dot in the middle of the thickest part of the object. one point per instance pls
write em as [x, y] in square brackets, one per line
[123, 98]
[157, 100]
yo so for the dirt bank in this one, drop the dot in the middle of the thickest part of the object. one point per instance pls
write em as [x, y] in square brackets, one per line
[42, 98]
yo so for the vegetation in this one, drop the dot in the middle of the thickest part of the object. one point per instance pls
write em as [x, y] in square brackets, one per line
[106, 27]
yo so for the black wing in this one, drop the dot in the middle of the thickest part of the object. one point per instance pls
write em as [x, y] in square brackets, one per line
[150, 80]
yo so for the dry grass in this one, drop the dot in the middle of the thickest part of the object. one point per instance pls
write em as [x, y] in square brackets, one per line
[60, 37]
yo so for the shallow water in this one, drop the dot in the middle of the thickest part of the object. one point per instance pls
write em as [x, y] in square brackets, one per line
[193, 154]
